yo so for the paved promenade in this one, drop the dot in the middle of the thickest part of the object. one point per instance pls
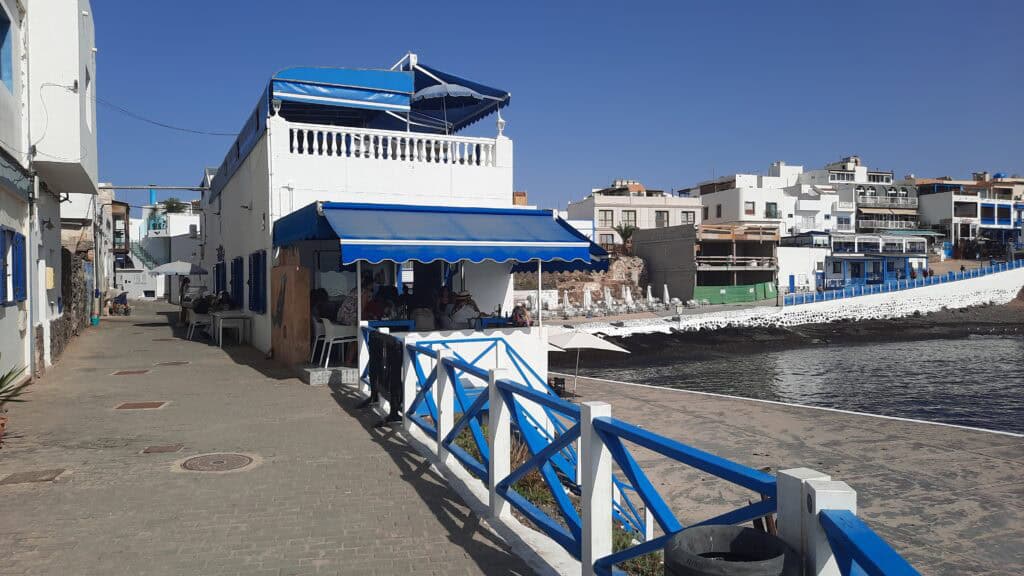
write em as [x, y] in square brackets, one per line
[949, 499]
[327, 493]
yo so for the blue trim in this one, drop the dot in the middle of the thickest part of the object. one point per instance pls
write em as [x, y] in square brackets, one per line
[858, 550]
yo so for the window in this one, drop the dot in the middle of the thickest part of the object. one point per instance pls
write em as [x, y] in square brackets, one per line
[880, 178]
[704, 213]
[828, 216]
[607, 239]
[605, 219]
[629, 218]
[718, 210]
[237, 269]
[749, 208]
[12, 265]
[258, 282]
[771, 210]
[6, 57]
[837, 267]
[840, 176]
[687, 217]
[660, 218]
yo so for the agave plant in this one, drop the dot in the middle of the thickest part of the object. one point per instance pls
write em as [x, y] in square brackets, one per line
[10, 390]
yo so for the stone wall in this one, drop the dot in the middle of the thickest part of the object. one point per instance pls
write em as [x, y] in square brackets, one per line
[77, 305]
[998, 288]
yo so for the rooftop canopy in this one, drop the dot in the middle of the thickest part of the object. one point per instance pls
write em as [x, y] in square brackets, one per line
[399, 233]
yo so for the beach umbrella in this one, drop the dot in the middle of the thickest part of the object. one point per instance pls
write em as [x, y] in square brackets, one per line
[666, 298]
[650, 295]
[628, 296]
[588, 302]
[608, 302]
[178, 268]
[579, 341]
[447, 95]
[565, 300]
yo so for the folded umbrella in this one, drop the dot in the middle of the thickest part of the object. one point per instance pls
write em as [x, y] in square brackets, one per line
[178, 268]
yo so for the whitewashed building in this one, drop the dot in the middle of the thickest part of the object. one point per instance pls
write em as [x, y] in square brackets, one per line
[844, 196]
[630, 203]
[983, 208]
[47, 151]
[330, 143]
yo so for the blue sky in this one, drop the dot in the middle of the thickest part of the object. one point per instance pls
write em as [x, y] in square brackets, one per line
[669, 93]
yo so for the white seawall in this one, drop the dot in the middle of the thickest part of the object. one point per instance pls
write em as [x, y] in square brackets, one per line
[998, 288]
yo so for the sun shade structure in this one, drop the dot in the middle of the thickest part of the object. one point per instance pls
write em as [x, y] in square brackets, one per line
[577, 340]
[178, 268]
[400, 233]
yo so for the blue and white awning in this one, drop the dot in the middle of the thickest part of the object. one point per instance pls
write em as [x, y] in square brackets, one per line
[400, 233]
[352, 88]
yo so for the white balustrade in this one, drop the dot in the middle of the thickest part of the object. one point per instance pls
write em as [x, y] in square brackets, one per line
[344, 142]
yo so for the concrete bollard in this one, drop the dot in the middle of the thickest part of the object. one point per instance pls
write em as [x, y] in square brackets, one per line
[823, 495]
[792, 494]
[444, 398]
[499, 430]
[597, 494]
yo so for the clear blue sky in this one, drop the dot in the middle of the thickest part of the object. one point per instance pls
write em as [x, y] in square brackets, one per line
[667, 93]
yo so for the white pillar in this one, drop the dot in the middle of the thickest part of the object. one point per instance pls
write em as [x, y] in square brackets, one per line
[499, 428]
[408, 386]
[540, 302]
[597, 488]
[364, 357]
[791, 488]
[444, 396]
[823, 495]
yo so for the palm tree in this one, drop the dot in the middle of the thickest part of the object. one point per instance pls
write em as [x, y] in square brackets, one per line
[625, 232]
[174, 206]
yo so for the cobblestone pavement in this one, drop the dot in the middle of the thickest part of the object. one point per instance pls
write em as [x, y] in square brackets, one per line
[327, 494]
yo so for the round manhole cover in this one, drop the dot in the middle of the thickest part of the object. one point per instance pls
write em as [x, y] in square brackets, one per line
[216, 462]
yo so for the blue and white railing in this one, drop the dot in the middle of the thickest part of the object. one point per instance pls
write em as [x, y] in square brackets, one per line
[584, 457]
[897, 285]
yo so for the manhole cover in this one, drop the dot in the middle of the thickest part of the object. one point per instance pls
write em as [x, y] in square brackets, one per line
[216, 462]
[140, 405]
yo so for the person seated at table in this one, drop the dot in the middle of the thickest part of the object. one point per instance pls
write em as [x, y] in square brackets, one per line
[464, 311]
[202, 305]
[521, 316]
[443, 309]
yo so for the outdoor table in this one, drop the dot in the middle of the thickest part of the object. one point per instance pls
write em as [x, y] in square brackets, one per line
[235, 317]
[492, 322]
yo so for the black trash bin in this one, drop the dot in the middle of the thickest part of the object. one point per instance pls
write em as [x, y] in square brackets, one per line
[728, 551]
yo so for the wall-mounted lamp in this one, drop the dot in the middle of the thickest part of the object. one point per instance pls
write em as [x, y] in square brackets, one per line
[47, 223]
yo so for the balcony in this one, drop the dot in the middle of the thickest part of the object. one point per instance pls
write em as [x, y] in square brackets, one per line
[338, 163]
[844, 227]
[887, 201]
[887, 224]
[735, 263]
[846, 206]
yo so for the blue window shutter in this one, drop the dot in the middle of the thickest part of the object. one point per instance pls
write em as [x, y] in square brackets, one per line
[252, 281]
[263, 282]
[18, 268]
[3, 265]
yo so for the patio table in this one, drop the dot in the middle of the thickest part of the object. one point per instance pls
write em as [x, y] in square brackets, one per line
[236, 318]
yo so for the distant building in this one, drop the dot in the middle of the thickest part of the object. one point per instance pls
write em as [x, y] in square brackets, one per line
[628, 202]
[519, 199]
[982, 209]
[844, 196]
[868, 259]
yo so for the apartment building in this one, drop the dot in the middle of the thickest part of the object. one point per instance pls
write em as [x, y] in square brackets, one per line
[986, 209]
[630, 203]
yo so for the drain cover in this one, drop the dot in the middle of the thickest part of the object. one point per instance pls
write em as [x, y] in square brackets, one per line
[34, 476]
[140, 406]
[162, 449]
[216, 462]
[129, 372]
[173, 363]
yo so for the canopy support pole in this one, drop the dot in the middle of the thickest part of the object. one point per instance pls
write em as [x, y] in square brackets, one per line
[540, 305]
[359, 294]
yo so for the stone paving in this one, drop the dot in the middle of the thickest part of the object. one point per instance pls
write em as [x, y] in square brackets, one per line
[327, 493]
[947, 498]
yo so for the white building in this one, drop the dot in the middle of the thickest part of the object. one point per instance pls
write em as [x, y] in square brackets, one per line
[47, 127]
[843, 196]
[983, 208]
[372, 142]
[629, 203]
[159, 237]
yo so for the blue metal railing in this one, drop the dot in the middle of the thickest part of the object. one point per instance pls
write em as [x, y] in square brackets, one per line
[897, 285]
[858, 550]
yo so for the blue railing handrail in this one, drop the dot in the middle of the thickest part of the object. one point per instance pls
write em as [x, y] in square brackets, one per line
[467, 368]
[557, 404]
[409, 325]
[417, 349]
[858, 549]
[738, 474]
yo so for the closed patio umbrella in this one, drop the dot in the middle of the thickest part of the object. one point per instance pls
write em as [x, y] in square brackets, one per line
[577, 340]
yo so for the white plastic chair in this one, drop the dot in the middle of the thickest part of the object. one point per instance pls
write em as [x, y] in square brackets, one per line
[318, 337]
[197, 320]
[335, 334]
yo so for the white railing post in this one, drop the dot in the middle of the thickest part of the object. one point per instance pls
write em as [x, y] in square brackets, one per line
[597, 488]
[791, 493]
[380, 397]
[823, 495]
[364, 357]
[499, 429]
[444, 396]
[408, 386]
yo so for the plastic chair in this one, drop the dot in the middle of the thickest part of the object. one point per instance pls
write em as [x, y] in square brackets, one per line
[318, 338]
[197, 320]
[335, 334]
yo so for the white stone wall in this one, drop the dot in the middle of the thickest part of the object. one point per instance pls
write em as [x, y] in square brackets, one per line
[997, 288]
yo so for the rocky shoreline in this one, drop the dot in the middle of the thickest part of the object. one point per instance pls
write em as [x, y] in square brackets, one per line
[986, 320]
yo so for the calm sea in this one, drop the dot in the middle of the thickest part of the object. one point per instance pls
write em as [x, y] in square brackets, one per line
[978, 381]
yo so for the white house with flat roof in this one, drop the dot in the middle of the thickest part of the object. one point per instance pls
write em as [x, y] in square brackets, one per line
[630, 203]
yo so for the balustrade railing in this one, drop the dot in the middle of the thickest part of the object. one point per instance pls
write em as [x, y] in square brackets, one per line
[504, 408]
[751, 261]
[887, 224]
[887, 201]
[359, 143]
